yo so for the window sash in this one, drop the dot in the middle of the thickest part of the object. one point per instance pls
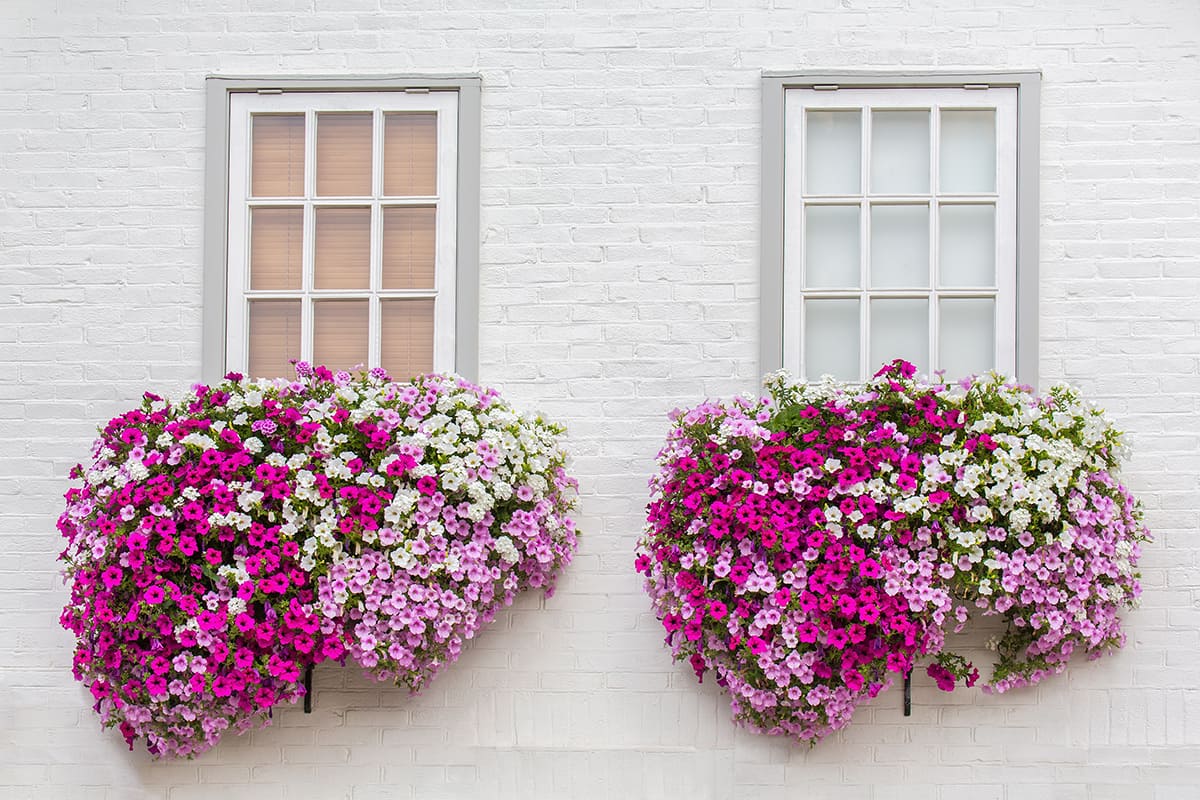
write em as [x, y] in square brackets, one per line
[797, 102]
[242, 105]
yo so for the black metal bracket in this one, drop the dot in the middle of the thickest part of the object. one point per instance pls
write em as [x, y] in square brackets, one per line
[907, 694]
[308, 689]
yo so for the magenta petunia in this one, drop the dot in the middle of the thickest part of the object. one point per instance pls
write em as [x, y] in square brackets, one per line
[833, 532]
[220, 545]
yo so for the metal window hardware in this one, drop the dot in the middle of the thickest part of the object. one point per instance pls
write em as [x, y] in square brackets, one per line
[308, 689]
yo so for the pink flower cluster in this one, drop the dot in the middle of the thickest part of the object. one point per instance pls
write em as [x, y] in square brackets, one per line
[809, 546]
[219, 546]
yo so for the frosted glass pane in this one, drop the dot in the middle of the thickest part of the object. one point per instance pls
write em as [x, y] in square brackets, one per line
[406, 340]
[967, 253]
[276, 245]
[900, 152]
[274, 338]
[340, 333]
[966, 336]
[899, 329]
[342, 255]
[900, 246]
[344, 154]
[831, 247]
[831, 333]
[968, 157]
[832, 164]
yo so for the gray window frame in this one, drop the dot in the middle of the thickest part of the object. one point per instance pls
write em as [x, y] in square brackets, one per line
[775, 84]
[216, 188]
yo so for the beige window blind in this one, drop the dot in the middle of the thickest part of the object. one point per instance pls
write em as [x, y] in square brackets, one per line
[409, 247]
[278, 155]
[274, 336]
[341, 236]
[410, 154]
[276, 248]
[343, 248]
[407, 336]
[340, 333]
[344, 155]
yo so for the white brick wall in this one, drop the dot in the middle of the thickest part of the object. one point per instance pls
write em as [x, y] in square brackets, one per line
[619, 279]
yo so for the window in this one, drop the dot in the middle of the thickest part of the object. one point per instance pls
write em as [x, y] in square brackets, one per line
[347, 227]
[900, 220]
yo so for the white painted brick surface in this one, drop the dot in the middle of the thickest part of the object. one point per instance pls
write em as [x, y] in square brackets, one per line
[619, 278]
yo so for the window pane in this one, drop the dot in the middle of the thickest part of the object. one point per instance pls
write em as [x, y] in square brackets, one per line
[274, 338]
[409, 247]
[831, 247]
[834, 144]
[276, 244]
[407, 337]
[344, 155]
[968, 158]
[340, 333]
[900, 152]
[966, 336]
[342, 257]
[967, 253]
[900, 246]
[900, 329]
[277, 155]
[831, 333]
[410, 154]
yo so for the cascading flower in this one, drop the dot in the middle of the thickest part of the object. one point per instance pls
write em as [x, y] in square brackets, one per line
[221, 544]
[809, 546]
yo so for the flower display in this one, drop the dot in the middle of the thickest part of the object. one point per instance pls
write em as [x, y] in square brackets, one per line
[808, 546]
[221, 544]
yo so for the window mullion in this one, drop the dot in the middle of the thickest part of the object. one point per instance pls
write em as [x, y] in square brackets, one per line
[445, 279]
[795, 290]
[935, 261]
[238, 275]
[341, 294]
[935, 256]
[864, 249]
[954, 294]
[374, 319]
[308, 246]
[1005, 304]
[799, 289]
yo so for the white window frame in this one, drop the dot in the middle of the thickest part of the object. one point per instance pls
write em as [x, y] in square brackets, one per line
[227, 294]
[781, 303]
